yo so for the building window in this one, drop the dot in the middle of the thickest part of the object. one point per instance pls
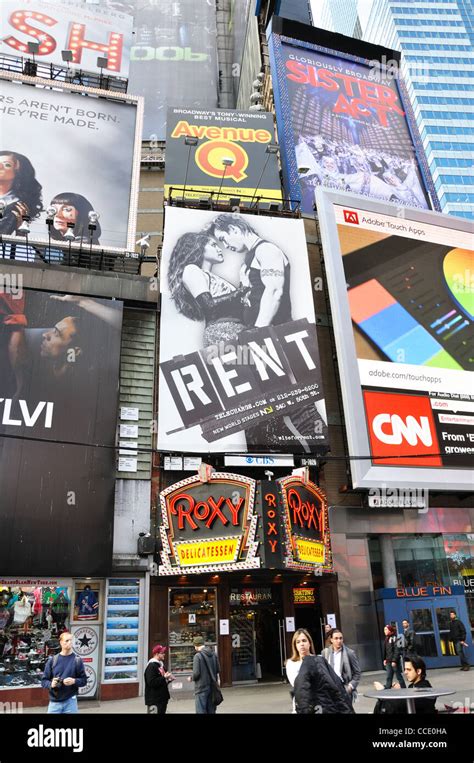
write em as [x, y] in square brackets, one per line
[192, 612]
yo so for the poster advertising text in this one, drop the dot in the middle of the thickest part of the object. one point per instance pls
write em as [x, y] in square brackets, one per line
[59, 370]
[231, 157]
[80, 160]
[345, 129]
[406, 321]
[239, 360]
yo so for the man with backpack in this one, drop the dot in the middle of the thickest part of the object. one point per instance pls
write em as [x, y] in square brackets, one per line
[64, 674]
[205, 672]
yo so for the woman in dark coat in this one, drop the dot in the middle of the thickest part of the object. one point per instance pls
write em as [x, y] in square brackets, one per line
[392, 657]
[318, 689]
[157, 679]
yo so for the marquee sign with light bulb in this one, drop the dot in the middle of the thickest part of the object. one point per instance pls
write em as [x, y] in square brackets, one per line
[209, 526]
[58, 26]
[232, 522]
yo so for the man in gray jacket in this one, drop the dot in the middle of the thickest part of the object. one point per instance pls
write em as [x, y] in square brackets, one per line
[343, 661]
[205, 672]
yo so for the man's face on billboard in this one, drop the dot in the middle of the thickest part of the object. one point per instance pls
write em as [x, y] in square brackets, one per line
[233, 239]
[57, 340]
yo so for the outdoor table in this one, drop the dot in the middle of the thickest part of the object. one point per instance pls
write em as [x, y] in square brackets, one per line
[409, 694]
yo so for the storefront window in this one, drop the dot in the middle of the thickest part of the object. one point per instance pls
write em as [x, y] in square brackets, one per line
[32, 617]
[419, 561]
[459, 551]
[192, 612]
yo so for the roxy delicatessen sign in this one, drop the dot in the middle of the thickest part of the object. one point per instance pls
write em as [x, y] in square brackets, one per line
[305, 526]
[231, 522]
[209, 526]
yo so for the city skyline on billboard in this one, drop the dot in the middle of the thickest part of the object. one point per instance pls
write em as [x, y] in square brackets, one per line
[87, 30]
[82, 159]
[239, 360]
[222, 134]
[173, 59]
[402, 303]
[59, 374]
[343, 124]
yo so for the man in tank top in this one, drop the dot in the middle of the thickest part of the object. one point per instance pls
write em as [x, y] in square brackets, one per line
[266, 271]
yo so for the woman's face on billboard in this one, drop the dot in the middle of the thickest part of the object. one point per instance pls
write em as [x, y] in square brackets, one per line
[8, 168]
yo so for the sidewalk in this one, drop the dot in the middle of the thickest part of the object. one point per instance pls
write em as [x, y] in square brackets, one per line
[274, 698]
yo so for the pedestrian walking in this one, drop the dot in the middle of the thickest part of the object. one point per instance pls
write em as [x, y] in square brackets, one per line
[64, 674]
[392, 654]
[157, 678]
[457, 634]
[408, 638]
[205, 675]
[301, 646]
[319, 690]
[343, 661]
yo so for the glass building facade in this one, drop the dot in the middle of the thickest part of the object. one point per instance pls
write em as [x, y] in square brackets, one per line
[436, 40]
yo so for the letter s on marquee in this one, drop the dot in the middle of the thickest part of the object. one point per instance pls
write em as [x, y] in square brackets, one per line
[19, 20]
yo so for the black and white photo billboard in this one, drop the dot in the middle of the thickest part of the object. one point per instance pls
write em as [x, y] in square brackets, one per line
[239, 360]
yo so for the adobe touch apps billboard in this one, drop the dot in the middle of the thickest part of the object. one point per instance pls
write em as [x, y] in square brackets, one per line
[402, 299]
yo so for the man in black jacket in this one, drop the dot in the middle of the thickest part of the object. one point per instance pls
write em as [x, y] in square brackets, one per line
[457, 634]
[415, 673]
[157, 679]
[408, 638]
[318, 689]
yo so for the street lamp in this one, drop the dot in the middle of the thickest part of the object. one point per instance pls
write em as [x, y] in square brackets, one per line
[271, 149]
[188, 141]
[50, 214]
[227, 161]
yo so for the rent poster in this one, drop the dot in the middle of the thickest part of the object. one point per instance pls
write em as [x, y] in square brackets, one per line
[239, 359]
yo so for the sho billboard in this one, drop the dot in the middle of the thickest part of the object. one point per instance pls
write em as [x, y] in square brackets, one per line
[87, 30]
[241, 137]
[59, 370]
[82, 159]
[239, 360]
[344, 124]
[402, 303]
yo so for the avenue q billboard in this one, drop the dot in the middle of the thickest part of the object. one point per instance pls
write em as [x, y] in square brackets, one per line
[344, 124]
[233, 522]
[87, 30]
[221, 134]
[239, 360]
[59, 370]
[402, 304]
[83, 157]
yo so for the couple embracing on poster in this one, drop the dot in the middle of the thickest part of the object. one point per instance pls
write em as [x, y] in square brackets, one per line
[261, 298]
